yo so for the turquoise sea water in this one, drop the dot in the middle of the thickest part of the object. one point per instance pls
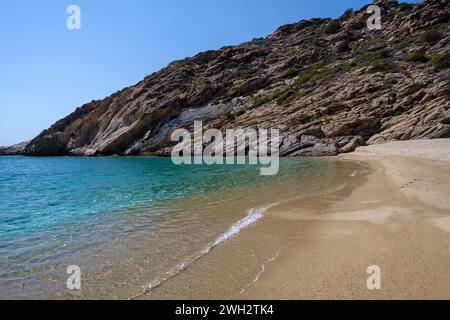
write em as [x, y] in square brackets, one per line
[55, 209]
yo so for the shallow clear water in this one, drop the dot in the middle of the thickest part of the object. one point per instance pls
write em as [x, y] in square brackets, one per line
[133, 221]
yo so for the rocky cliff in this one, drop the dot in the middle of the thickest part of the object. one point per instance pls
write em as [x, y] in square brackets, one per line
[329, 85]
[16, 149]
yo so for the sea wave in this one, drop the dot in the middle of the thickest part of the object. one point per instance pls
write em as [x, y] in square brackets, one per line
[252, 216]
[263, 269]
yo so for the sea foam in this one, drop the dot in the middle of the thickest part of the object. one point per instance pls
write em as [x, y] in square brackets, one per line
[252, 216]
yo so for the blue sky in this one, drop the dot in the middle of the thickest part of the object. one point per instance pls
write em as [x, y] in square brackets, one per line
[47, 70]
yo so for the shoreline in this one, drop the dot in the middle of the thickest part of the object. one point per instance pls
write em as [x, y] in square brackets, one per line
[376, 207]
[394, 214]
[398, 219]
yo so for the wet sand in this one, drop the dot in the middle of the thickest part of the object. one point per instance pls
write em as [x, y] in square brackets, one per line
[394, 212]
[397, 219]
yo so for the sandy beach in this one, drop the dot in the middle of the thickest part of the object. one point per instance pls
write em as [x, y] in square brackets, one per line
[398, 219]
[394, 213]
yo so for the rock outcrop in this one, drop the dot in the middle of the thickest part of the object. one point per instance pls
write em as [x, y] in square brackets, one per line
[17, 149]
[329, 85]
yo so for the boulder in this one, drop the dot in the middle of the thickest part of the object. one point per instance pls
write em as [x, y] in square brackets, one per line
[351, 146]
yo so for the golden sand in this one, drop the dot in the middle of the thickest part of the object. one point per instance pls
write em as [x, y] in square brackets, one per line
[394, 213]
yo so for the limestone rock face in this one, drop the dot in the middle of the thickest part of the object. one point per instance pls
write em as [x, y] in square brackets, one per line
[329, 86]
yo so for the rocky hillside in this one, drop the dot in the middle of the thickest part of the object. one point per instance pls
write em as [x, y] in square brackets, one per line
[329, 85]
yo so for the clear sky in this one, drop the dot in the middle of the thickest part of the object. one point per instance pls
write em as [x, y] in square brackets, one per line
[47, 70]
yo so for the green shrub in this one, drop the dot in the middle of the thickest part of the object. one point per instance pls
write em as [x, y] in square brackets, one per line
[431, 37]
[417, 55]
[322, 63]
[304, 78]
[405, 6]
[404, 30]
[258, 41]
[233, 65]
[245, 73]
[387, 85]
[240, 112]
[354, 45]
[441, 61]
[333, 27]
[315, 70]
[383, 66]
[287, 97]
[403, 45]
[187, 80]
[345, 68]
[324, 73]
[235, 114]
[372, 57]
[284, 96]
[346, 14]
[383, 53]
[259, 101]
